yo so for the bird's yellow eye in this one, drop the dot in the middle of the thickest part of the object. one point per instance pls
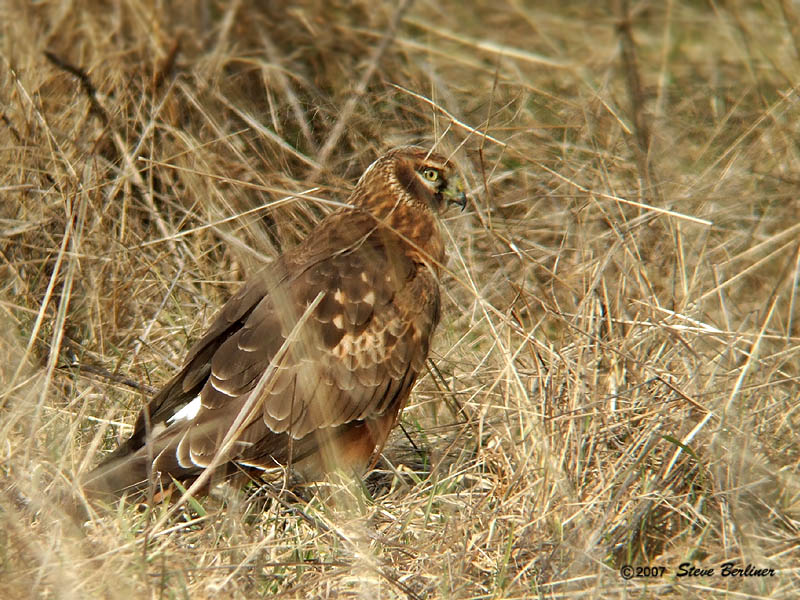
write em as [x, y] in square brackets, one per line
[431, 174]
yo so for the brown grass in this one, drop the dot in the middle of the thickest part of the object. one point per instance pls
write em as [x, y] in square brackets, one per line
[616, 378]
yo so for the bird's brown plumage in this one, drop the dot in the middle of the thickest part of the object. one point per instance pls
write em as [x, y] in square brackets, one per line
[360, 300]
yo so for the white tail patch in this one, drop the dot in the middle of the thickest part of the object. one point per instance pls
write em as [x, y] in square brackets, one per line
[187, 413]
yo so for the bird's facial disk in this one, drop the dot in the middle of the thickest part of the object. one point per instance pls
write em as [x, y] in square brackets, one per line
[428, 178]
[443, 185]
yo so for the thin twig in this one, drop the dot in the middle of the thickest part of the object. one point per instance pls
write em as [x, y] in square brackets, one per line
[86, 83]
[283, 81]
[338, 129]
[641, 126]
[449, 115]
[109, 376]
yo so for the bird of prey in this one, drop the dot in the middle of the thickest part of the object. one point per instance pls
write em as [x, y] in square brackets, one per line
[309, 364]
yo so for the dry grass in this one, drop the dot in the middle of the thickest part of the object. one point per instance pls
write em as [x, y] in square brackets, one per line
[616, 376]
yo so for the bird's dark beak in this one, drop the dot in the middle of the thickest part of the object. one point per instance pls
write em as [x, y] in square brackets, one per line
[454, 193]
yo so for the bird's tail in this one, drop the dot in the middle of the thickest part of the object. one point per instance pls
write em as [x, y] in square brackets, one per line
[131, 470]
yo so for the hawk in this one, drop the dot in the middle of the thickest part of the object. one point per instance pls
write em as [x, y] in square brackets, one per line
[309, 364]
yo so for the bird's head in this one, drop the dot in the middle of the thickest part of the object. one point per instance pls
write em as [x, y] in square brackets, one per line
[414, 176]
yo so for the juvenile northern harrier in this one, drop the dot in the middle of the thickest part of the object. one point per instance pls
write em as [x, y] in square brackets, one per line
[331, 338]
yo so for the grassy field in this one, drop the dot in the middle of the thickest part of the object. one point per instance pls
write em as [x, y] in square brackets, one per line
[616, 378]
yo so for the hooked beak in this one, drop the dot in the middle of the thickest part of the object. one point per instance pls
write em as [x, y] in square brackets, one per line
[454, 193]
